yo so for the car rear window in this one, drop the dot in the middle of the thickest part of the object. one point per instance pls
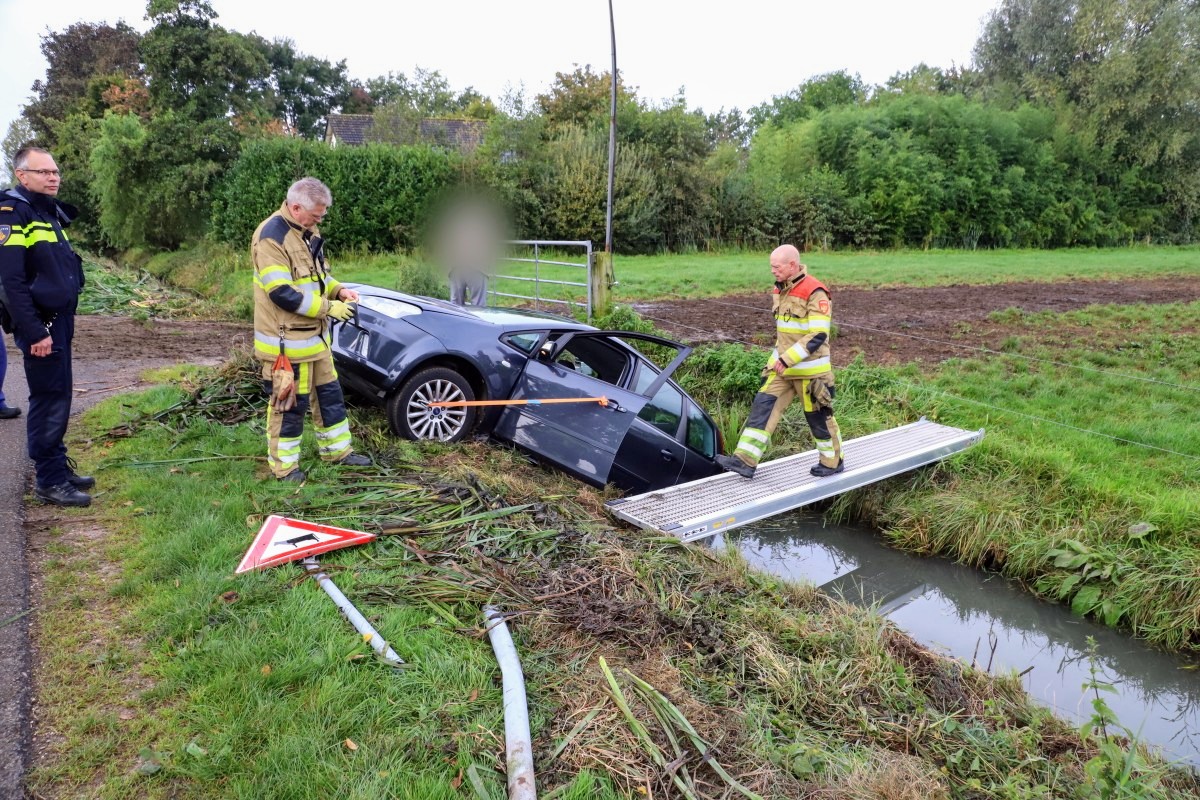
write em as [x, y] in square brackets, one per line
[525, 342]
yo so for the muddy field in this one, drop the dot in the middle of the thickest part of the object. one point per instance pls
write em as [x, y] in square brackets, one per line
[886, 325]
[908, 324]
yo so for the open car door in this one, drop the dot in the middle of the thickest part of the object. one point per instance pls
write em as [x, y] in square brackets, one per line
[583, 438]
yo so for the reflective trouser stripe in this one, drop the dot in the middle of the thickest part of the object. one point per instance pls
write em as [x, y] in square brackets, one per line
[773, 398]
[751, 446]
[333, 443]
[329, 417]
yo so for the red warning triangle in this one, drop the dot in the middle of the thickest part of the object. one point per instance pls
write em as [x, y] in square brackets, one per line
[280, 540]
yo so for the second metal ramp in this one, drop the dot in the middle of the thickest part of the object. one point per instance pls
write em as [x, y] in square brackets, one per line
[708, 506]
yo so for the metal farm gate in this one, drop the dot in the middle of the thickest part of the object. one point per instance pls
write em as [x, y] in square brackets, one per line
[527, 262]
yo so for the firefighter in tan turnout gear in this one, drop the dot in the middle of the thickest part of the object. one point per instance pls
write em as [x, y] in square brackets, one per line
[799, 366]
[295, 302]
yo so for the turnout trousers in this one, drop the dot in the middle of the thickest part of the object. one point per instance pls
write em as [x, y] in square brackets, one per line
[773, 398]
[51, 384]
[317, 388]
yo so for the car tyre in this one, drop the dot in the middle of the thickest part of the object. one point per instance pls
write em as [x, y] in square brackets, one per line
[410, 416]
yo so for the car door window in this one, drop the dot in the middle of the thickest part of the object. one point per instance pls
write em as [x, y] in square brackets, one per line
[665, 410]
[595, 358]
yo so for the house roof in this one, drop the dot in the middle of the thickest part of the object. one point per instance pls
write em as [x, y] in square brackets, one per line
[348, 128]
[463, 135]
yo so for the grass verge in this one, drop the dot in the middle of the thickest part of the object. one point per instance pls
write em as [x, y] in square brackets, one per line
[649, 664]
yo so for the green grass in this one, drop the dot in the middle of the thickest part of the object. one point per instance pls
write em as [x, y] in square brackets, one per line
[176, 678]
[715, 274]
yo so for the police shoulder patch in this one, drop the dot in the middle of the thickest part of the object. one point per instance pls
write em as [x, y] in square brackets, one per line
[5, 232]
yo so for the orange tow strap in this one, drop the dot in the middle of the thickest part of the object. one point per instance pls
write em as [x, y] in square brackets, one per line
[533, 401]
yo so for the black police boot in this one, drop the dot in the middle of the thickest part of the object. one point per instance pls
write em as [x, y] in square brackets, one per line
[8, 412]
[77, 480]
[735, 464]
[64, 494]
[822, 471]
[354, 460]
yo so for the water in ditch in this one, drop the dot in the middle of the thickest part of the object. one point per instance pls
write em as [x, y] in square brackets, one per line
[984, 619]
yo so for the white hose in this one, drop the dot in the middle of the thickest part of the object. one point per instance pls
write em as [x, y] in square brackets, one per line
[518, 744]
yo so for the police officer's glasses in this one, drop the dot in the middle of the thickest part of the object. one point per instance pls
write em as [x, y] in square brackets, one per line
[43, 172]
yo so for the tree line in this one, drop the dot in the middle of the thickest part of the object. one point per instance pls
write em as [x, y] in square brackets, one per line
[1075, 124]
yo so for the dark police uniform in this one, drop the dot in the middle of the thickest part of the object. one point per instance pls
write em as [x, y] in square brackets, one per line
[41, 278]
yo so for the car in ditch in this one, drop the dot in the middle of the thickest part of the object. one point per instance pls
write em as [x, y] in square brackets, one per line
[406, 352]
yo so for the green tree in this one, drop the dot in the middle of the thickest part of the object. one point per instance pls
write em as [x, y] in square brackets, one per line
[1129, 68]
[675, 143]
[573, 192]
[76, 56]
[582, 97]
[816, 94]
[198, 69]
[153, 180]
[303, 90]
[20, 133]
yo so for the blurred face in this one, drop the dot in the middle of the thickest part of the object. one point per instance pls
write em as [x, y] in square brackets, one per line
[308, 217]
[783, 267]
[40, 174]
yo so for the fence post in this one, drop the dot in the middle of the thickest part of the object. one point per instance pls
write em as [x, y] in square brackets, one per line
[600, 279]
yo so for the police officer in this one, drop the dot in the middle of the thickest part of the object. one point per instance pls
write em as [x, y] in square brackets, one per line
[295, 301]
[41, 278]
[799, 366]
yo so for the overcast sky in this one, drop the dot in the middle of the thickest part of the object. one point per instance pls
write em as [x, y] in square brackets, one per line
[723, 54]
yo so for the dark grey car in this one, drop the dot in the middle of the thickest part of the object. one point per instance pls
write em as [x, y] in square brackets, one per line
[405, 352]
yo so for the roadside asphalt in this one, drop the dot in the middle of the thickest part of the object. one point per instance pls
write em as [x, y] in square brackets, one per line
[16, 673]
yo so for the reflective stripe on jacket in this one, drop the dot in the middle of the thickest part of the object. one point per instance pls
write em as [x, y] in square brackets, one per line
[803, 311]
[40, 275]
[292, 290]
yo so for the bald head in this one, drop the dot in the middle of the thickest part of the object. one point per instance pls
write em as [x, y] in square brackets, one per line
[785, 262]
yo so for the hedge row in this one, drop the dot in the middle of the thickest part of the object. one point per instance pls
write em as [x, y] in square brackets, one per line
[381, 193]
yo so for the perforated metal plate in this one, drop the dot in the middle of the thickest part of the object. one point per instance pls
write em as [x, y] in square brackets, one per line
[702, 508]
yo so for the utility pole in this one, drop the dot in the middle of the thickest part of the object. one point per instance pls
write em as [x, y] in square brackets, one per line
[602, 277]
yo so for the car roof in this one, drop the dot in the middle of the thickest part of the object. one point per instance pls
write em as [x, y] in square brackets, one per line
[505, 318]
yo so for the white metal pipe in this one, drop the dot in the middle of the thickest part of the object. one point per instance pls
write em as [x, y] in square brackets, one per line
[518, 743]
[356, 619]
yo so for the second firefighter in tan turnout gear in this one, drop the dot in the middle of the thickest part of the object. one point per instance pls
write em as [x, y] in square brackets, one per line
[799, 366]
[295, 301]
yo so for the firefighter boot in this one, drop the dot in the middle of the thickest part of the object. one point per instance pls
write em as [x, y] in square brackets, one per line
[354, 460]
[822, 471]
[735, 464]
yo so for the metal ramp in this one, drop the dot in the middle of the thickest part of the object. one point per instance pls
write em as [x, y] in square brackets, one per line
[702, 508]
